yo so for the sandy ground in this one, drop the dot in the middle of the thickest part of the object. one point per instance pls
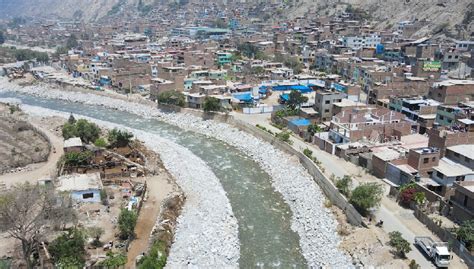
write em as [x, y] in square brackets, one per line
[159, 187]
[39, 170]
[394, 216]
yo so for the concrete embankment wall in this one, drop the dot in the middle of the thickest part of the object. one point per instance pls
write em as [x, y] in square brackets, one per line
[331, 192]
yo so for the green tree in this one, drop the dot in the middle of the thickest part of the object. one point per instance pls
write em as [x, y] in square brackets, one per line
[465, 233]
[344, 185]
[295, 99]
[114, 260]
[400, 244]
[59, 51]
[87, 131]
[249, 50]
[172, 98]
[2, 38]
[118, 138]
[156, 258]
[127, 221]
[314, 129]
[366, 196]
[211, 104]
[68, 249]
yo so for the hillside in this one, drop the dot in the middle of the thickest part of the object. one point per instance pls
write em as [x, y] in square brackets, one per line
[448, 17]
[88, 10]
[452, 16]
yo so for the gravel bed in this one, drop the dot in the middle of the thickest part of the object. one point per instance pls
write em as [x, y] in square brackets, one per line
[314, 223]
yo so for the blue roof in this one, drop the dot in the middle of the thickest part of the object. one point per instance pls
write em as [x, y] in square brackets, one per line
[301, 88]
[245, 96]
[285, 97]
[301, 122]
[263, 89]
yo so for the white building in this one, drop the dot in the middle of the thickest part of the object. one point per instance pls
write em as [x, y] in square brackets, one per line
[359, 42]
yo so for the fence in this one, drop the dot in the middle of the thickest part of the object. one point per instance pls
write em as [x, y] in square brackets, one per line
[446, 236]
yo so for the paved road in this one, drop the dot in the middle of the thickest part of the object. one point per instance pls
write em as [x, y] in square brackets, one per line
[395, 217]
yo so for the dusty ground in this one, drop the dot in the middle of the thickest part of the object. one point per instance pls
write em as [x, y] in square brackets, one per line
[158, 188]
[20, 144]
[33, 172]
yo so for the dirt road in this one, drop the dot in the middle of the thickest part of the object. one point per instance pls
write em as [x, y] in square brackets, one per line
[38, 170]
[158, 188]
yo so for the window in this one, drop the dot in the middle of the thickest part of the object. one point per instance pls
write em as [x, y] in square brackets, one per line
[441, 117]
[87, 195]
[327, 102]
[433, 159]
[439, 174]
[426, 160]
[326, 111]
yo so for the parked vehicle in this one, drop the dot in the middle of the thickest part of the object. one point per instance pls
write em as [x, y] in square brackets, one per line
[438, 252]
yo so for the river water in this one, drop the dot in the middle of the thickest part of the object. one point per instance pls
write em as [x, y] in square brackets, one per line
[266, 239]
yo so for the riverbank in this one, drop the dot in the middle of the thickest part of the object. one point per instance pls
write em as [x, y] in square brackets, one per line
[207, 231]
[314, 223]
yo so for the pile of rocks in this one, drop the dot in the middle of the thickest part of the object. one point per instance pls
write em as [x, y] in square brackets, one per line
[314, 223]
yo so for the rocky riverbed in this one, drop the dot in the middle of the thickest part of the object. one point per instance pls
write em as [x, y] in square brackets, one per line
[314, 223]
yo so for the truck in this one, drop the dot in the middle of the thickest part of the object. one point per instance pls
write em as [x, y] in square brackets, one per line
[438, 252]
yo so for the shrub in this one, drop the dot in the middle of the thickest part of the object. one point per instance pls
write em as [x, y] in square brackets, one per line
[211, 104]
[100, 142]
[114, 260]
[126, 222]
[308, 153]
[400, 244]
[344, 185]
[366, 196]
[172, 98]
[419, 197]
[285, 137]
[156, 258]
[118, 138]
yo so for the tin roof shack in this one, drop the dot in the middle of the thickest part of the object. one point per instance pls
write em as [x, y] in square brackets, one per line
[463, 201]
[73, 144]
[82, 187]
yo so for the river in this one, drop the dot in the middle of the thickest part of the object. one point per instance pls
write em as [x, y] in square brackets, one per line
[266, 238]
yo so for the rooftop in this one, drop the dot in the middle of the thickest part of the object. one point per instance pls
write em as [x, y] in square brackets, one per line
[79, 182]
[464, 150]
[73, 142]
[452, 169]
